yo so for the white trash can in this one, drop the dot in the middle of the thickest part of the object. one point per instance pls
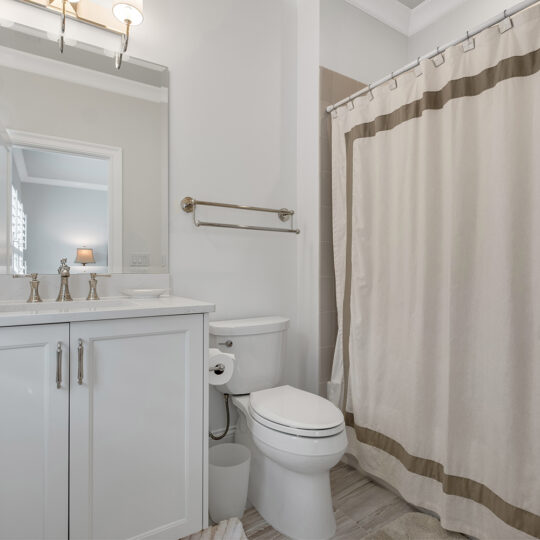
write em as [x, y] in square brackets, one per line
[228, 480]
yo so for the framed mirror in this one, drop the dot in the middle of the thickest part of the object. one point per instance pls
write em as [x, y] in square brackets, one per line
[83, 159]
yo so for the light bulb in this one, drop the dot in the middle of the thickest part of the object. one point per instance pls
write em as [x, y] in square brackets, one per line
[129, 11]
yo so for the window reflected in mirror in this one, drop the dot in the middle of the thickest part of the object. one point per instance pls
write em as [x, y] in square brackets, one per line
[60, 203]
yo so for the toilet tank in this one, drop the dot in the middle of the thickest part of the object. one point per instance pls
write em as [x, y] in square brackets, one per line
[258, 345]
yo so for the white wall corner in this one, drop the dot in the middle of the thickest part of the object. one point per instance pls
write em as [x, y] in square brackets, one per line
[308, 193]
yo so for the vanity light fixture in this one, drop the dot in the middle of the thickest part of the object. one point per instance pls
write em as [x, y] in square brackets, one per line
[130, 13]
[117, 16]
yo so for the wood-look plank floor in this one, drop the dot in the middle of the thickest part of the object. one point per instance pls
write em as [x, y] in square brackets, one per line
[360, 507]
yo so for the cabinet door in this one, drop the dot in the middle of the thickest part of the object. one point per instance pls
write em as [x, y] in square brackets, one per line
[136, 428]
[34, 414]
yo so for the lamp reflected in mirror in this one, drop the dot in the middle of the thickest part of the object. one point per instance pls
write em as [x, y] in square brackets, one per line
[85, 256]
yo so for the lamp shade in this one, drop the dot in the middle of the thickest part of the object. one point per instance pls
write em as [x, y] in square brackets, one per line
[85, 256]
[129, 11]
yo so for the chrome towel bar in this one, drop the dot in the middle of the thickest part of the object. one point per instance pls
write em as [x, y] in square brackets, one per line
[189, 205]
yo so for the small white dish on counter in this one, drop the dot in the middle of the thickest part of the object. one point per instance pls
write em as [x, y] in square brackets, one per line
[144, 293]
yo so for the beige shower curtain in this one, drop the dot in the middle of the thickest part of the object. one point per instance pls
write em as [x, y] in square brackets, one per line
[436, 201]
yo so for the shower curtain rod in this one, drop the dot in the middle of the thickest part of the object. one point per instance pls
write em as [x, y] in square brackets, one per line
[491, 22]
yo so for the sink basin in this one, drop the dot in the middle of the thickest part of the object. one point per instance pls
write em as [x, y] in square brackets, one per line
[76, 305]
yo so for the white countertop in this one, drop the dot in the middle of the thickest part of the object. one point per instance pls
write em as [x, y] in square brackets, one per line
[47, 312]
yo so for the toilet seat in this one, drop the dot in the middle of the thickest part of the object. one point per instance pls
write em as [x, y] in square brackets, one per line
[292, 411]
[312, 433]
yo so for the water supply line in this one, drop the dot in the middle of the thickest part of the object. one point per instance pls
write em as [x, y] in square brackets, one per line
[219, 437]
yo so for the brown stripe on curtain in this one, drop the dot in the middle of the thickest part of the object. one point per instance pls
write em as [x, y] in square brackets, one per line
[516, 66]
[452, 485]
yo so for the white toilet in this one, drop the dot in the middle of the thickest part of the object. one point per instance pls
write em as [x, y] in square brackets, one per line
[295, 437]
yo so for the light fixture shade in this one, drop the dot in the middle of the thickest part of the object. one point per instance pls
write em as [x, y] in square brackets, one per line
[129, 10]
[85, 256]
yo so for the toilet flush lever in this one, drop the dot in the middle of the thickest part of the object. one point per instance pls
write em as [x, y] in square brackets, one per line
[227, 343]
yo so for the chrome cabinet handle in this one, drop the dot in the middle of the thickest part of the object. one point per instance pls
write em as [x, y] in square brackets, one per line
[59, 365]
[227, 343]
[80, 351]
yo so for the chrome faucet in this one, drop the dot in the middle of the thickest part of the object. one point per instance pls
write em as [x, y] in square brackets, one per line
[34, 287]
[63, 270]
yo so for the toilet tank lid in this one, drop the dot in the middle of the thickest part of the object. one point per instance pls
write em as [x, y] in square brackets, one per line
[247, 327]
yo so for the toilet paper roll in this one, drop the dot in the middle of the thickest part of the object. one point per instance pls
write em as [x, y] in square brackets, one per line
[215, 357]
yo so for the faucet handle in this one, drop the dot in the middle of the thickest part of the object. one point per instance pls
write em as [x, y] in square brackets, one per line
[92, 294]
[33, 276]
[34, 287]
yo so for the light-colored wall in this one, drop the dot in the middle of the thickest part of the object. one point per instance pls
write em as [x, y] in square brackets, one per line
[357, 45]
[454, 24]
[61, 219]
[233, 83]
[49, 106]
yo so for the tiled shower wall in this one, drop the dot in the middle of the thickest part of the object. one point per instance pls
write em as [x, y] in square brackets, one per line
[333, 88]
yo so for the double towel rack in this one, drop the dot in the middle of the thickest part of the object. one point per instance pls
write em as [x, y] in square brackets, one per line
[189, 205]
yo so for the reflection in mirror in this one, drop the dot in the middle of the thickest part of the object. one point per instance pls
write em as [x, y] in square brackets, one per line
[83, 158]
[59, 204]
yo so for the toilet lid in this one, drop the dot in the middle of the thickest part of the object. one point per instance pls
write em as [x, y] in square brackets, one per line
[295, 408]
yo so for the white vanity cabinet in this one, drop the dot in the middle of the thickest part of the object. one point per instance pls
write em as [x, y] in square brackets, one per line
[34, 415]
[120, 440]
[136, 416]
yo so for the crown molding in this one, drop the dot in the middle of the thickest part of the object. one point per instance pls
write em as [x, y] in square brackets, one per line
[390, 12]
[403, 19]
[430, 11]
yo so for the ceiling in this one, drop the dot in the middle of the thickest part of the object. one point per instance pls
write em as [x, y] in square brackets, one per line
[61, 169]
[407, 16]
[411, 3]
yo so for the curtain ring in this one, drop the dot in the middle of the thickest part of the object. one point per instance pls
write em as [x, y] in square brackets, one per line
[468, 44]
[370, 93]
[506, 24]
[418, 70]
[438, 59]
[394, 81]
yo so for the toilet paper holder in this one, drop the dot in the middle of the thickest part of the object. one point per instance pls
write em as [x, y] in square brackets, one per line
[218, 369]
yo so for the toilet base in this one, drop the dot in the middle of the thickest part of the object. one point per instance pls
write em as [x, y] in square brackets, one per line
[298, 505]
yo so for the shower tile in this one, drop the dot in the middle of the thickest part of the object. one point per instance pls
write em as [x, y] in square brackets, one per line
[325, 158]
[326, 359]
[328, 328]
[326, 224]
[326, 188]
[327, 294]
[327, 259]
